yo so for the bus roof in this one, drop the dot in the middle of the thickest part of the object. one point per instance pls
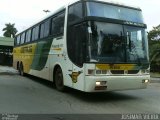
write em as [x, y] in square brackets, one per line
[113, 2]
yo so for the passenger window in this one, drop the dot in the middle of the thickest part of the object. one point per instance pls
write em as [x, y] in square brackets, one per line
[23, 38]
[75, 13]
[35, 33]
[28, 36]
[42, 31]
[58, 24]
[46, 28]
[18, 40]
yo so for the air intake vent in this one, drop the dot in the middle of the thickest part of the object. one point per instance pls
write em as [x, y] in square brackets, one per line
[133, 71]
[117, 71]
[124, 72]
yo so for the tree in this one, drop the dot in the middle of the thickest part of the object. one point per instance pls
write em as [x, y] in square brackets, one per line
[154, 47]
[9, 30]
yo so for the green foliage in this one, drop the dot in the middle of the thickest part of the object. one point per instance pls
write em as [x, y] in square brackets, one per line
[154, 47]
[9, 30]
[154, 35]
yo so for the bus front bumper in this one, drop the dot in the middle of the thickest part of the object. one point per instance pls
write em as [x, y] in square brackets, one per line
[115, 83]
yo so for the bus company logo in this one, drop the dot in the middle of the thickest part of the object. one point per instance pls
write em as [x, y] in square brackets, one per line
[74, 76]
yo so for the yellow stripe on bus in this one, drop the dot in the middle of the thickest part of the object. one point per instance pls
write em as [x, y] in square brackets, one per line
[115, 66]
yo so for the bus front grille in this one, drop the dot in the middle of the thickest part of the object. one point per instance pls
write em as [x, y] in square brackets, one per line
[124, 71]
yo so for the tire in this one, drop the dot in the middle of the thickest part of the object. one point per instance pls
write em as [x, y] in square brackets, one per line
[21, 71]
[59, 80]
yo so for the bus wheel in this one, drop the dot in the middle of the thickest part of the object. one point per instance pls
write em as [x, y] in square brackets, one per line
[59, 79]
[21, 72]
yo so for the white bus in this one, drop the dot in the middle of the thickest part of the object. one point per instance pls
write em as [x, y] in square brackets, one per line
[88, 45]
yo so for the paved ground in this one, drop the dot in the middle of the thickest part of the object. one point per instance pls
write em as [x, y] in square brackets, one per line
[33, 95]
[7, 70]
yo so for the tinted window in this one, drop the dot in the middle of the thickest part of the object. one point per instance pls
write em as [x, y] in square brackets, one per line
[46, 28]
[22, 38]
[42, 31]
[76, 43]
[75, 12]
[58, 24]
[18, 39]
[28, 36]
[35, 33]
[114, 12]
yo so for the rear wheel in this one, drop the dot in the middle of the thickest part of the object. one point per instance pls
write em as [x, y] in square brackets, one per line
[59, 80]
[21, 71]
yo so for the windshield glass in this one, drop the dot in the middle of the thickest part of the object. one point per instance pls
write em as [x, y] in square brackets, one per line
[117, 43]
[107, 42]
[114, 12]
[137, 45]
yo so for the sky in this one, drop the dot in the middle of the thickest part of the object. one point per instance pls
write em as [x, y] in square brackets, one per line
[26, 12]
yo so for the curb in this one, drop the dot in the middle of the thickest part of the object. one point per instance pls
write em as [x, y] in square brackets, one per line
[155, 80]
[8, 73]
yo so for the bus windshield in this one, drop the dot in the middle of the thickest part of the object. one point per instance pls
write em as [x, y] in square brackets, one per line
[117, 43]
[114, 12]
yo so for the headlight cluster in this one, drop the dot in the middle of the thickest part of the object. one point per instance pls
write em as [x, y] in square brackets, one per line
[145, 71]
[98, 72]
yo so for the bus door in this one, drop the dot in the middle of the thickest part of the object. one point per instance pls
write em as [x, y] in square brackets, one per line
[79, 54]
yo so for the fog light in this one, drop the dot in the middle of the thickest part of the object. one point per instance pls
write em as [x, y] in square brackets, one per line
[98, 83]
[101, 83]
[145, 81]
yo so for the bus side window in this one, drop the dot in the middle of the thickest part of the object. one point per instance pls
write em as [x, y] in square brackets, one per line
[23, 37]
[28, 36]
[18, 40]
[46, 28]
[35, 33]
[58, 25]
[75, 13]
[42, 31]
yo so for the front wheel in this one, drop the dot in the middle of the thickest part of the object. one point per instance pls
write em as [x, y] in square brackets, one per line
[59, 80]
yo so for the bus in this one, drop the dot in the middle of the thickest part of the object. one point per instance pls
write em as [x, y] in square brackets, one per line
[88, 45]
